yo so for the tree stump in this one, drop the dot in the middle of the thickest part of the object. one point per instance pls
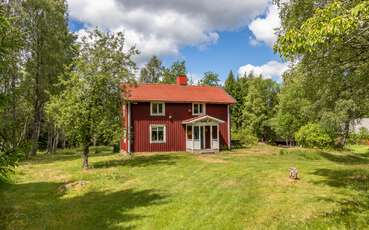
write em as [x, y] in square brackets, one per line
[293, 173]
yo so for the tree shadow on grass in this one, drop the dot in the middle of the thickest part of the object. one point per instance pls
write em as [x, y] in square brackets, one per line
[64, 156]
[349, 159]
[353, 211]
[355, 179]
[139, 161]
[43, 206]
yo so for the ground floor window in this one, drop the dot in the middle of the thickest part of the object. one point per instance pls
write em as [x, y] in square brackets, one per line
[157, 134]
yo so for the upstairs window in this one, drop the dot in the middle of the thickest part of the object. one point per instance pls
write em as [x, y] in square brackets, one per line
[198, 109]
[157, 109]
[157, 134]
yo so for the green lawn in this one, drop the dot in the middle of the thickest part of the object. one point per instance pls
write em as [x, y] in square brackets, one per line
[242, 189]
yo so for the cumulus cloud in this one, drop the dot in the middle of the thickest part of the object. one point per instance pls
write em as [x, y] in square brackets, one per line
[271, 69]
[162, 27]
[264, 29]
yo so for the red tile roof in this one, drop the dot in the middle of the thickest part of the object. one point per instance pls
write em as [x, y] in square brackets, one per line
[177, 93]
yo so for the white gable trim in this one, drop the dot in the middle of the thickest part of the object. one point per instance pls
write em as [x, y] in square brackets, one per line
[206, 117]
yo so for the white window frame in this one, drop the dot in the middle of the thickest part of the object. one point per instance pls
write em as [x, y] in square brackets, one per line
[203, 108]
[164, 134]
[157, 114]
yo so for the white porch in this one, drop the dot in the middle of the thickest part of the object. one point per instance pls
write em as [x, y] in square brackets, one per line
[202, 134]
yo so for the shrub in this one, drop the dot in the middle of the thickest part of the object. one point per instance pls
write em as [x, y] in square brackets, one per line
[8, 161]
[247, 138]
[362, 137]
[313, 135]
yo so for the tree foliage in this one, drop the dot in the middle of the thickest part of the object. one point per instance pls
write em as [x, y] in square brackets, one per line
[11, 143]
[90, 103]
[259, 107]
[329, 41]
[210, 79]
[170, 74]
[328, 29]
[313, 135]
[293, 109]
[152, 72]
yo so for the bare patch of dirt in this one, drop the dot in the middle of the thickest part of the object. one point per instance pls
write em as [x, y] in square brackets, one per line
[75, 185]
[211, 159]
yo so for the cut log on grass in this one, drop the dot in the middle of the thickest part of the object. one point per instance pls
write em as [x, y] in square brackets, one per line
[293, 173]
[76, 185]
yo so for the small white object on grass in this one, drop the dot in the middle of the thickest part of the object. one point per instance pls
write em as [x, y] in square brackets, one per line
[293, 173]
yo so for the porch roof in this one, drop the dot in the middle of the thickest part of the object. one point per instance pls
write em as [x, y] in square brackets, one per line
[202, 118]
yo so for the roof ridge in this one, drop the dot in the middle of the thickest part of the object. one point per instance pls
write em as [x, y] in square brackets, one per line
[174, 92]
[175, 85]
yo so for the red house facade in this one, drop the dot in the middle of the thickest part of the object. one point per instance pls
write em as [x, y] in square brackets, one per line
[175, 117]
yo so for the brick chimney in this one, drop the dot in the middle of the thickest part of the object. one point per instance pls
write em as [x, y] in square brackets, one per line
[182, 80]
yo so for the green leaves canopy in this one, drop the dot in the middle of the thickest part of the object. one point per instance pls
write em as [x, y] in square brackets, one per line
[90, 103]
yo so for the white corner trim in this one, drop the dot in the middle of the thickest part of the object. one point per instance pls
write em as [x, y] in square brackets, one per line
[157, 114]
[164, 134]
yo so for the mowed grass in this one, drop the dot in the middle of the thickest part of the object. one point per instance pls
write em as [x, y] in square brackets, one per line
[240, 189]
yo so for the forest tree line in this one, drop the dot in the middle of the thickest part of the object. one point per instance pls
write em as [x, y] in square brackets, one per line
[59, 91]
[325, 92]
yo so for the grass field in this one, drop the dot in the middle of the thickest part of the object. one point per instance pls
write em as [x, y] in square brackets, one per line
[242, 189]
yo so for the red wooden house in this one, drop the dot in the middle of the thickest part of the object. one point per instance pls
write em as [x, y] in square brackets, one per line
[176, 117]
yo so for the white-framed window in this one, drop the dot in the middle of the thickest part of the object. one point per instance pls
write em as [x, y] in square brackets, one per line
[157, 109]
[198, 108]
[157, 134]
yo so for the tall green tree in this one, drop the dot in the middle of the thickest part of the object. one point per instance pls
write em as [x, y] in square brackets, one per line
[293, 109]
[330, 41]
[240, 93]
[90, 103]
[48, 42]
[210, 78]
[230, 84]
[10, 140]
[259, 107]
[152, 72]
[170, 74]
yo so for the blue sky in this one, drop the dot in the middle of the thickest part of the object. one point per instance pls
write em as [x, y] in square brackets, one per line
[232, 50]
[230, 35]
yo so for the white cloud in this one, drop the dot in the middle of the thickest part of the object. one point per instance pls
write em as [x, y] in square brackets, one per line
[271, 69]
[264, 29]
[162, 27]
[195, 77]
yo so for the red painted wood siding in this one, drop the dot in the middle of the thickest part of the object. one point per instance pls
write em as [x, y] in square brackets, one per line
[175, 130]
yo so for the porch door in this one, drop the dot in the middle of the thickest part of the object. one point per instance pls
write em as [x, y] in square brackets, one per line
[207, 137]
[202, 141]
